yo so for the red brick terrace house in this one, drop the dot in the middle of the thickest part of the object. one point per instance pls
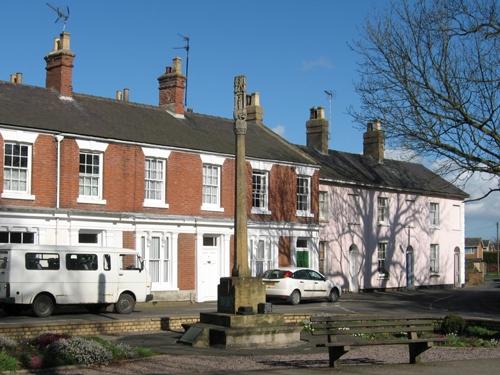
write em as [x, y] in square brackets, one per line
[79, 169]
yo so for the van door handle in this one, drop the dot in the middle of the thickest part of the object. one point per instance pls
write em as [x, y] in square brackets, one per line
[120, 274]
[301, 282]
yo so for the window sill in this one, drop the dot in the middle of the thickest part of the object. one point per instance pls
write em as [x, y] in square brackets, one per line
[383, 224]
[211, 207]
[304, 214]
[17, 195]
[435, 227]
[90, 200]
[383, 276]
[260, 211]
[155, 204]
[435, 274]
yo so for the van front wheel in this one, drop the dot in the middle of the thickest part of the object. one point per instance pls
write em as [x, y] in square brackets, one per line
[43, 306]
[125, 304]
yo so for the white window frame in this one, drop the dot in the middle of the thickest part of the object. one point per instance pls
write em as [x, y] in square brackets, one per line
[99, 235]
[434, 258]
[210, 206]
[434, 214]
[22, 138]
[264, 175]
[213, 161]
[382, 250]
[382, 210]
[92, 147]
[156, 154]
[307, 211]
[324, 205]
[161, 201]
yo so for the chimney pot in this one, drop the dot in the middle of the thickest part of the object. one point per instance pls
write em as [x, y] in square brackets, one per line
[373, 141]
[125, 94]
[119, 95]
[171, 87]
[317, 130]
[60, 66]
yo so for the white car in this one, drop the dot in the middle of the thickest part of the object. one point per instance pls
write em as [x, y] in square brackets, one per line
[296, 284]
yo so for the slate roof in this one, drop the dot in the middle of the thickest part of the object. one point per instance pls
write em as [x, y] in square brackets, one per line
[472, 241]
[42, 109]
[344, 167]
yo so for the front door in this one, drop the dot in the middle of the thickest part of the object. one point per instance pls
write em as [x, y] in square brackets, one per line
[353, 269]
[410, 279]
[209, 276]
[456, 268]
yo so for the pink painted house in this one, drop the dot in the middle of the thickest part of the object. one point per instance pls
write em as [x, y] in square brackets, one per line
[384, 223]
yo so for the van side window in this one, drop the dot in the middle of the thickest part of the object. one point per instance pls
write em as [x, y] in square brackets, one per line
[81, 262]
[128, 262]
[3, 260]
[41, 261]
[107, 262]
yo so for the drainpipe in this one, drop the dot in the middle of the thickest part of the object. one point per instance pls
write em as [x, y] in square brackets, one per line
[58, 188]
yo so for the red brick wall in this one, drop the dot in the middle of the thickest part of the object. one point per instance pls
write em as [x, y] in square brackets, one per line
[186, 261]
[128, 240]
[123, 183]
[285, 255]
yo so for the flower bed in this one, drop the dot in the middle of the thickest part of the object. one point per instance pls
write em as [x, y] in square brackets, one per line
[51, 350]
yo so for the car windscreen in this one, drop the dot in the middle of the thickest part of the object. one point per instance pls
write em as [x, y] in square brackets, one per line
[274, 274]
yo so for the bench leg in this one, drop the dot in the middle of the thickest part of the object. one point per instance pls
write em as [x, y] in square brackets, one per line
[334, 353]
[416, 349]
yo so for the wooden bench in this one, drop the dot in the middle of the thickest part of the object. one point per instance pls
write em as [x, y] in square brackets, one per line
[342, 333]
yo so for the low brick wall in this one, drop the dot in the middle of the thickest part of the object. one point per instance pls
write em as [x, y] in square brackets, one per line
[114, 327]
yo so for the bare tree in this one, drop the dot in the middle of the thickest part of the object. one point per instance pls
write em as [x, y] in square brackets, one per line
[430, 71]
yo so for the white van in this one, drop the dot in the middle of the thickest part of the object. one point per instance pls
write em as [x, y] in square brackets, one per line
[44, 276]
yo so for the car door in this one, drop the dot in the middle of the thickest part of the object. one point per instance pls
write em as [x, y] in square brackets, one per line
[321, 286]
[304, 283]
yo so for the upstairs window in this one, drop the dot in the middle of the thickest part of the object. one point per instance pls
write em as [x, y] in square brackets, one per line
[17, 168]
[154, 184]
[383, 210]
[90, 175]
[211, 186]
[434, 214]
[260, 188]
[323, 205]
[303, 195]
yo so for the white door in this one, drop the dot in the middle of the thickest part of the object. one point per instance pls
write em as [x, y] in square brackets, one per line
[209, 274]
[158, 263]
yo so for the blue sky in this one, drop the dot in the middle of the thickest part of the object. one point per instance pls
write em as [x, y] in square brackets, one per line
[290, 51]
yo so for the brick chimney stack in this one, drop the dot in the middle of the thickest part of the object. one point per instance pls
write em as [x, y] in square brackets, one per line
[172, 85]
[317, 130]
[60, 66]
[254, 110]
[373, 141]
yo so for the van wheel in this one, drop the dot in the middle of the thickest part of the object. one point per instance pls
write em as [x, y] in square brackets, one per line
[334, 295]
[294, 297]
[43, 306]
[125, 304]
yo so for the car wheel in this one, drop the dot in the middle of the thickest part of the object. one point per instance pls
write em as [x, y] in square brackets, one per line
[334, 295]
[295, 297]
[125, 304]
[43, 306]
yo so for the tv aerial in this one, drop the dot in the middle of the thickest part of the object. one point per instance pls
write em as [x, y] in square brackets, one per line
[62, 14]
[329, 94]
[186, 48]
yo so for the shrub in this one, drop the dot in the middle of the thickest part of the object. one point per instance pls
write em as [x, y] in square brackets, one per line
[32, 361]
[144, 352]
[7, 343]
[7, 362]
[119, 351]
[453, 324]
[78, 350]
[478, 331]
[45, 339]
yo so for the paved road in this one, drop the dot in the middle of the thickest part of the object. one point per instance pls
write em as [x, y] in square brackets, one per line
[481, 302]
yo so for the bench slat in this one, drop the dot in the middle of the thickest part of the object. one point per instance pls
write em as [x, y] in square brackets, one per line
[361, 330]
[373, 323]
[384, 342]
[334, 318]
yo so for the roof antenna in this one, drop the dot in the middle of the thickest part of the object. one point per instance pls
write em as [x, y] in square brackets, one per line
[186, 48]
[329, 94]
[61, 14]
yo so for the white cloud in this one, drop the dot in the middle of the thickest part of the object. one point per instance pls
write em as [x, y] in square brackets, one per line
[403, 155]
[319, 63]
[279, 129]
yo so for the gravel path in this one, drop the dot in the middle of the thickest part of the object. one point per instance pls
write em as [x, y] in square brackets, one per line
[204, 364]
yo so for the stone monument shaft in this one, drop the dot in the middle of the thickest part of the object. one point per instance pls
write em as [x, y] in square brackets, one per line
[240, 267]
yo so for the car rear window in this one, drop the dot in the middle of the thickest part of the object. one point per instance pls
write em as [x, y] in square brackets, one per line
[274, 274]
